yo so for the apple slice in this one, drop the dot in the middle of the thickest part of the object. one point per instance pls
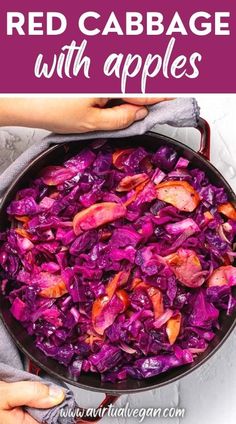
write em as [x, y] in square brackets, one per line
[124, 297]
[157, 301]
[173, 328]
[228, 210]
[179, 194]
[52, 285]
[154, 293]
[224, 275]
[187, 267]
[119, 157]
[97, 215]
[55, 175]
[105, 310]
[130, 182]
[116, 282]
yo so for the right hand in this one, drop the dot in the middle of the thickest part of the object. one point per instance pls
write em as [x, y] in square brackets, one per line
[13, 396]
[73, 115]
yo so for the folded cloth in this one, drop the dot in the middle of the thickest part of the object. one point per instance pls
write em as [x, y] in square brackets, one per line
[181, 112]
[12, 369]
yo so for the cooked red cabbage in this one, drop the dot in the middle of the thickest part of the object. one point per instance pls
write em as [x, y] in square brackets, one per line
[120, 261]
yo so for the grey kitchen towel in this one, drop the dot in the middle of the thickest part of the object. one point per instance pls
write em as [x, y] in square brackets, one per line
[180, 112]
[12, 369]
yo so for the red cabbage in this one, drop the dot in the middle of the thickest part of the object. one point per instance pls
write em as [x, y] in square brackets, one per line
[165, 158]
[25, 206]
[120, 261]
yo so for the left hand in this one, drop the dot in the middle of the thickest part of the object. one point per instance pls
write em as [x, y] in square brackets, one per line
[26, 393]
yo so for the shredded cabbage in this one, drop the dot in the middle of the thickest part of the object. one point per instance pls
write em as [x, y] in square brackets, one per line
[120, 262]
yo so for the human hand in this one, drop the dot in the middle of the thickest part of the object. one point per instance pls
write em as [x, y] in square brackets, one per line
[73, 115]
[26, 393]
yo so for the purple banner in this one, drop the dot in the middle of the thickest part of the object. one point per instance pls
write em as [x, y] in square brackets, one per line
[117, 46]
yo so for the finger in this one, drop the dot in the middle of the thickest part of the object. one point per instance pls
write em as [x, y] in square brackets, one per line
[146, 100]
[34, 394]
[16, 415]
[117, 117]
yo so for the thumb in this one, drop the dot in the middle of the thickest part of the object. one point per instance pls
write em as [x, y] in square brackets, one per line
[28, 393]
[117, 117]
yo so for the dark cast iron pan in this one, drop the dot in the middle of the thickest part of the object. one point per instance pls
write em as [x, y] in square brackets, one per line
[56, 155]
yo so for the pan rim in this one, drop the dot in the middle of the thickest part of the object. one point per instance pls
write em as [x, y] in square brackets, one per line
[153, 385]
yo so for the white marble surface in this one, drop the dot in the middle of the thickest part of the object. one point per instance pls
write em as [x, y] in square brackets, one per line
[208, 394]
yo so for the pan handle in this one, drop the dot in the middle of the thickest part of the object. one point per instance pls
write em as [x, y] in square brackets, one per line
[205, 143]
[108, 400]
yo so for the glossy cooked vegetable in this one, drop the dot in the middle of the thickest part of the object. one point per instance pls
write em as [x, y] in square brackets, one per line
[120, 261]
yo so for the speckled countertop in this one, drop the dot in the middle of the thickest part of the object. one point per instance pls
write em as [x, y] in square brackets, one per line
[209, 393]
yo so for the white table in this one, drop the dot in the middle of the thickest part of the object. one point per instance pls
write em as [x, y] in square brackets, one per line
[209, 393]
